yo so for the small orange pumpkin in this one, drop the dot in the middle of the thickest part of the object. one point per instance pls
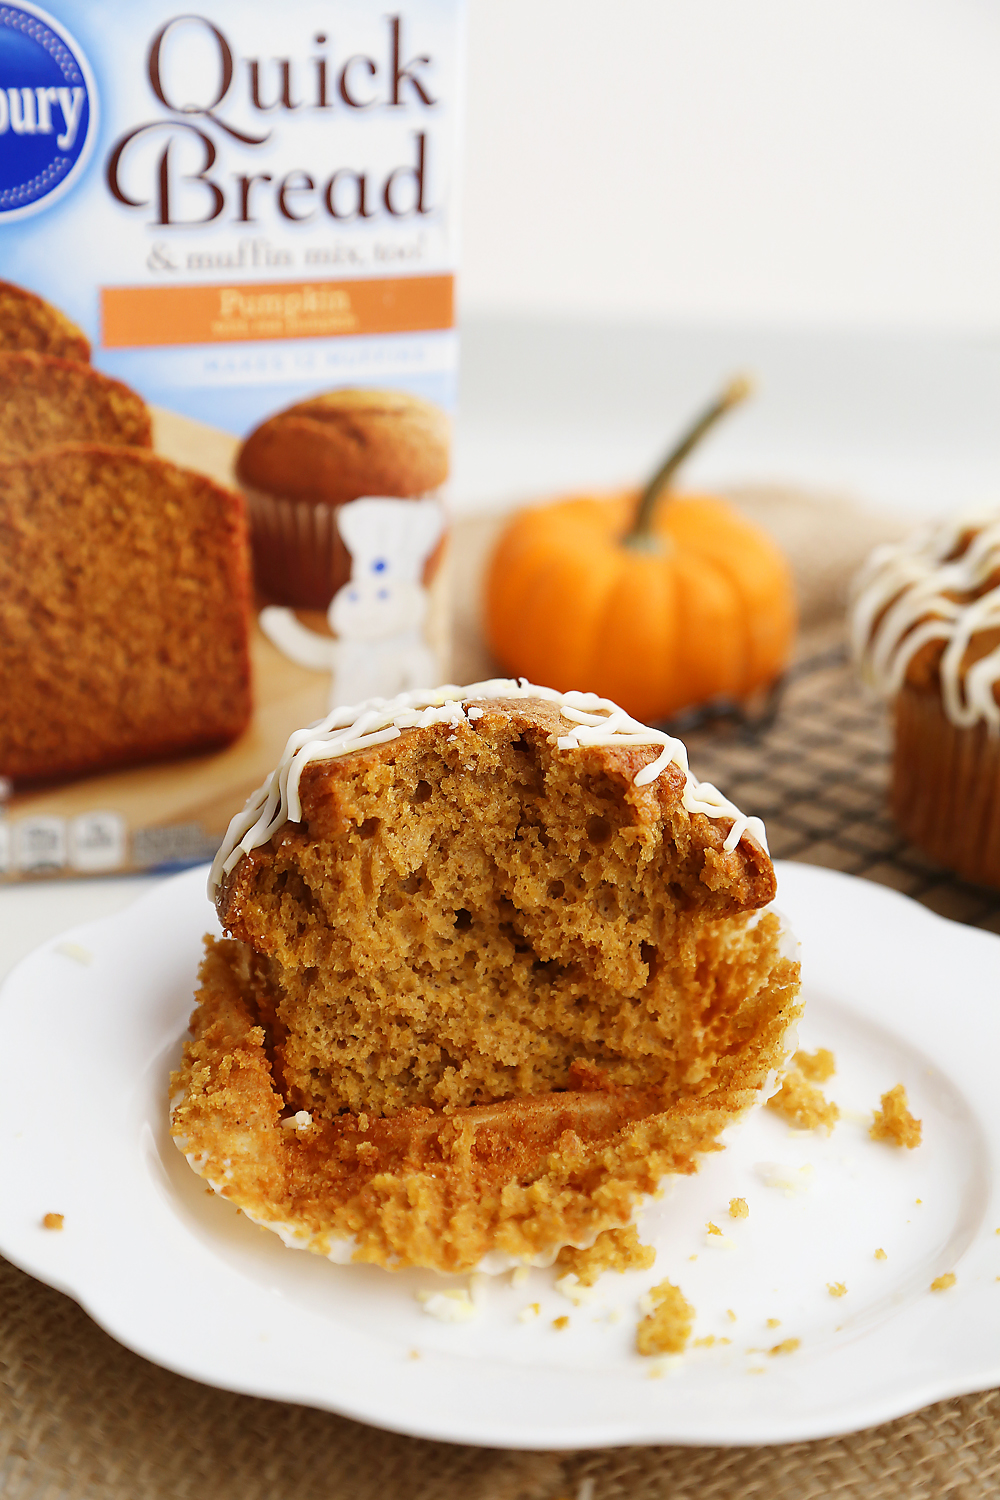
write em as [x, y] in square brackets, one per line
[659, 604]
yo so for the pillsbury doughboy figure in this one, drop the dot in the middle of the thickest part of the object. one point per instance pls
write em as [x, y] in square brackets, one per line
[378, 616]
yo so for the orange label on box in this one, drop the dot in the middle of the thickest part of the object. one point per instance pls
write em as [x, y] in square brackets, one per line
[138, 316]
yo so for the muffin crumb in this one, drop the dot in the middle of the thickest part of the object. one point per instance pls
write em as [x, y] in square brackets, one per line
[53, 1221]
[800, 1102]
[942, 1283]
[817, 1066]
[613, 1250]
[836, 1289]
[787, 1346]
[881, 1255]
[894, 1123]
[738, 1208]
[774, 1323]
[667, 1327]
[560, 1323]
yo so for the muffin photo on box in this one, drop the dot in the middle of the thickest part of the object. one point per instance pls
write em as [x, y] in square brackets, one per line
[301, 466]
[925, 628]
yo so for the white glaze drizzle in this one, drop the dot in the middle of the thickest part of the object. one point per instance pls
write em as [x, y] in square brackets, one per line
[909, 581]
[597, 721]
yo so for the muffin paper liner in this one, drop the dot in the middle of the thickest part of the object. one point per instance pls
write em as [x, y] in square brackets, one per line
[299, 556]
[946, 787]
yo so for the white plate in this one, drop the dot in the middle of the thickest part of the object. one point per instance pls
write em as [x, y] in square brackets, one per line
[899, 994]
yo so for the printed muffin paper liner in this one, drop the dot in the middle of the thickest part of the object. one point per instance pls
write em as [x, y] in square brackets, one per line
[299, 556]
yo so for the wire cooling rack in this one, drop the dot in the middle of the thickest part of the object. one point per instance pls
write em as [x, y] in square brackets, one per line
[817, 771]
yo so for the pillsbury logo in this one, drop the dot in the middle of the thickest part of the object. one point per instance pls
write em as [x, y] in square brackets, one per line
[48, 110]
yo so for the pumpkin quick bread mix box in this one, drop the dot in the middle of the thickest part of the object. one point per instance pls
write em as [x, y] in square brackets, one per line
[227, 366]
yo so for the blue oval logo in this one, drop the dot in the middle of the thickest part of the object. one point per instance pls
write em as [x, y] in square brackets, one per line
[48, 110]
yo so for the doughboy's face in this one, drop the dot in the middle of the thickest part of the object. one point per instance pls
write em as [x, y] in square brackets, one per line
[374, 607]
[389, 541]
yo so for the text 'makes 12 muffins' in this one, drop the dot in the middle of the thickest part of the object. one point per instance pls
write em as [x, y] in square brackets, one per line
[497, 963]
[925, 627]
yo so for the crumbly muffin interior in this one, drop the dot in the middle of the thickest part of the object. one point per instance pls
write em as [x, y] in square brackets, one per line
[476, 917]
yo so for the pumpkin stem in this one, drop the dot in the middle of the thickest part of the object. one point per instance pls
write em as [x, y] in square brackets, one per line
[640, 536]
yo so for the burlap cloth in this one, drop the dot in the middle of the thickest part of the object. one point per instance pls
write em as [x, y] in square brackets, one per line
[86, 1419]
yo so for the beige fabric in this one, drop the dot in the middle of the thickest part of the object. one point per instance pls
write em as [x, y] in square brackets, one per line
[83, 1419]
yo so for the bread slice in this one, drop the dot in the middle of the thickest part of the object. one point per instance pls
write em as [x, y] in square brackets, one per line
[28, 322]
[46, 400]
[124, 600]
[497, 980]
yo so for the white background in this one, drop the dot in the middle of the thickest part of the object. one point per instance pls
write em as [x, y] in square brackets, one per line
[658, 192]
[784, 160]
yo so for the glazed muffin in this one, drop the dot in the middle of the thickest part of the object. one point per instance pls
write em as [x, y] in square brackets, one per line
[301, 465]
[925, 628]
[497, 964]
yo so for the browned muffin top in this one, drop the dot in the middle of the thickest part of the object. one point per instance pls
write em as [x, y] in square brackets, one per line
[342, 445]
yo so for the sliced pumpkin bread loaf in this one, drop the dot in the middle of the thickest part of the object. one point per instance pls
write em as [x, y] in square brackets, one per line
[46, 400]
[29, 322]
[124, 605]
